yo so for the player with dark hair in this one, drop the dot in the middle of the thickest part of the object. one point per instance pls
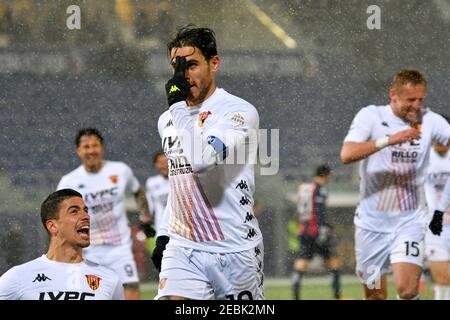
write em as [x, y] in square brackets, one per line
[315, 233]
[104, 185]
[393, 144]
[62, 273]
[215, 248]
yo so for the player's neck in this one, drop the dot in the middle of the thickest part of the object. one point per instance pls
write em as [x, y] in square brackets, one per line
[65, 254]
[94, 168]
[202, 98]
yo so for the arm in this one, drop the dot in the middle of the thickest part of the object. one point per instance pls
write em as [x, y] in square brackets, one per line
[118, 293]
[355, 151]
[444, 202]
[9, 289]
[142, 205]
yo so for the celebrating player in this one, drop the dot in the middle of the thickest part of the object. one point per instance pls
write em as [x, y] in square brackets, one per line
[393, 143]
[62, 273]
[215, 247]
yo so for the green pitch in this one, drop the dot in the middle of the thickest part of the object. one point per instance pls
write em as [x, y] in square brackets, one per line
[312, 289]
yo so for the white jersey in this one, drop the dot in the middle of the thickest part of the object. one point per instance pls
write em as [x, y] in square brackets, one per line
[157, 191]
[437, 175]
[392, 179]
[104, 194]
[210, 203]
[45, 279]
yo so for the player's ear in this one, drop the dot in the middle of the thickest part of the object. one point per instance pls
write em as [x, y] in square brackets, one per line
[52, 226]
[214, 63]
[392, 93]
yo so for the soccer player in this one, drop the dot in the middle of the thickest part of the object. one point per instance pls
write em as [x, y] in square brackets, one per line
[157, 189]
[215, 248]
[437, 247]
[315, 234]
[62, 273]
[393, 143]
[103, 185]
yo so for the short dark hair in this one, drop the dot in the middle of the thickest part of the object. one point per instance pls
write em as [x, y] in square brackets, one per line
[322, 170]
[157, 154]
[51, 205]
[408, 76]
[202, 38]
[88, 132]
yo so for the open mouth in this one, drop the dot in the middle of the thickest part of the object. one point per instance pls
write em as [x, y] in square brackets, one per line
[84, 231]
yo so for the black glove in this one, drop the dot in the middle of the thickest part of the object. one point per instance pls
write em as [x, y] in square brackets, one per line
[178, 88]
[157, 254]
[148, 229]
[436, 223]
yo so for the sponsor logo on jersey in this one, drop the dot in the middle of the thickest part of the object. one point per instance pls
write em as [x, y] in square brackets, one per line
[202, 117]
[93, 281]
[238, 120]
[114, 178]
[100, 195]
[168, 124]
[41, 277]
[65, 295]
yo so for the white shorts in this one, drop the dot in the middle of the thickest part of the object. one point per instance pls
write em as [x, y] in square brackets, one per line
[202, 275]
[437, 248]
[117, 258]
[376, 251]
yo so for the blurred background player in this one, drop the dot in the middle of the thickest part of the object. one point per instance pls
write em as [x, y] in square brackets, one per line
[215, 248]
[157, 189]
[104, 184]
[62, 273]
[437, 247]
[393, 143]
[315, 234]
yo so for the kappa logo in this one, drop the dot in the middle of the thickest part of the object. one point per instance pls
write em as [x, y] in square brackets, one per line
[41, 277]
[114, 179]
[202, 117]
[93, 281]
[174, 88]
[385, 124]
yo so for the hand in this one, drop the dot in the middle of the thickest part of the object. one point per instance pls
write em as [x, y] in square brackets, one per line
[436, 223]
[178, 88]
[148, 229]
[157, 254]
[404, 136]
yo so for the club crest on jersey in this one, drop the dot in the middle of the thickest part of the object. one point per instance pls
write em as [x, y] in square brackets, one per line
[93, 281]
[238, 120]
[202, 117]
[114, 179]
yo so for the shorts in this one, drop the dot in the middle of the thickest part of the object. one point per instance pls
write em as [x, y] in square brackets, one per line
[376, 251]
[202, 275]
[437, 248]
[309, 246]
[120, 259]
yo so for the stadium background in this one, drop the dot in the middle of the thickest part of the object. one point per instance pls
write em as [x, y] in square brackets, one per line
[110, 75]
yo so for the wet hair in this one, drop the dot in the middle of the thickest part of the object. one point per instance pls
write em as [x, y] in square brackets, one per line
[50, 206]
[322, 171]
[157, 154]
[88, 132]
[193, 36]
[408, 76]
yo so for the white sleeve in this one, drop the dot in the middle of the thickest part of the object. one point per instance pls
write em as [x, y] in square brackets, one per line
[9, 286]
[163, 229]
[361, 127]
[220, 140]
[149, 196]
[444, 202]
[118, 291]
[133, 183]
[441, 130]
[62, 184]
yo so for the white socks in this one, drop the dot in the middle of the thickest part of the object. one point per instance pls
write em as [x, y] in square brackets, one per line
[441, 292]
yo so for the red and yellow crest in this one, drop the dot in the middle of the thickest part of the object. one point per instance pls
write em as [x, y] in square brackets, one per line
[114, 179]
[93, 281]
[202, 117]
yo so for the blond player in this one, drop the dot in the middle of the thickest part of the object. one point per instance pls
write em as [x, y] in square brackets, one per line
[393, 143]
